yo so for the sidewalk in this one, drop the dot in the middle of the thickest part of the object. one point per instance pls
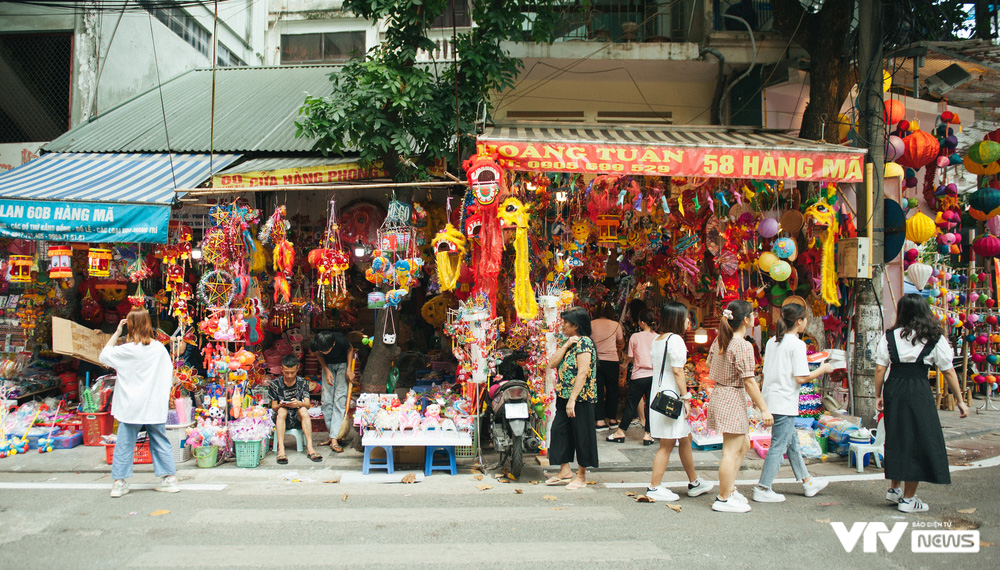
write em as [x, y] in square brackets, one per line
[615, 457]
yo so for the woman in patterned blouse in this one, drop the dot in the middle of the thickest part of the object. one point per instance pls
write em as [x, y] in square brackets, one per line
[576, 395]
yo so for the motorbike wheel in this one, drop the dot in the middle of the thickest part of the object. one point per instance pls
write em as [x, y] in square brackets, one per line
[517, 456]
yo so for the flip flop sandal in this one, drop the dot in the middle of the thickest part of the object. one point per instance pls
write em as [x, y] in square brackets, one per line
[315, 457]
[552, 481]
[282, 460]
[337, 448]
[573, 486]
[325, 443]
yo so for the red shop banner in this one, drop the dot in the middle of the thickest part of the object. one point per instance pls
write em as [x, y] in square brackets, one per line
[710, 162]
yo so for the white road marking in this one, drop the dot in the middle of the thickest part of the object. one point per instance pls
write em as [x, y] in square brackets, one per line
[990, 462]
[391, 552]
[105, 486]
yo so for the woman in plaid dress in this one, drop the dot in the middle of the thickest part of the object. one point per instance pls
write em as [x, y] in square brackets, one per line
[731, 365]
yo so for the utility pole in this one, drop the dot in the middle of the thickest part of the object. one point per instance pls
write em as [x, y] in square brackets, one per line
[868, 325]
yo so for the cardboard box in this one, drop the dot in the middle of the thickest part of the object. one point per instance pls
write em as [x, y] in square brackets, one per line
[78, 341]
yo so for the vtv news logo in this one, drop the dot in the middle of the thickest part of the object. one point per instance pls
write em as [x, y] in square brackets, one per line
[921, 541]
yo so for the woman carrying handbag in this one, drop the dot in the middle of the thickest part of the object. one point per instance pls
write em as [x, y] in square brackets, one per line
[669, 355]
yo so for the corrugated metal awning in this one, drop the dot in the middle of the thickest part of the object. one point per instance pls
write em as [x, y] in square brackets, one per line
[717, 152]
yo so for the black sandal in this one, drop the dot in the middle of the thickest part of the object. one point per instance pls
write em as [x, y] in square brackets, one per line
[614, 439]
[315, 457]
[282, 460]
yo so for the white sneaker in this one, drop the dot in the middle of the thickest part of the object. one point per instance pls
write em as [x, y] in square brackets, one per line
[814, 486]
[912, 505]
[762, 495]
[893, 495]
[730, 506]
[739, 497]
[661, 493]
[699, 487]
[168, 485]
[119, 488]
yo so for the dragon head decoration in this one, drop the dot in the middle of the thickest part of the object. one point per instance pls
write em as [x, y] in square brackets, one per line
[485, 177]
[514, 214]
[821, 224]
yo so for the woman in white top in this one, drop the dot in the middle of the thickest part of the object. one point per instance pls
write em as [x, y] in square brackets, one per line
[142, 398]
[669, 355]
[914, 444]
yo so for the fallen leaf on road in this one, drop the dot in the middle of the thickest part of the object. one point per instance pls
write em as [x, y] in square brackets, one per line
[675, 508]
[550, 497]
[518, 491]
[344, 498]
[823, 521]
[332, 481]
[409, 478]
[591, 482]
[159, 512]
[558, 508]
[533, 482]
[631, 494]
[644, 499]
[484, 487]
[478, 477]
[984, 543]
[503, 480]
[828, 504]
[967, 511]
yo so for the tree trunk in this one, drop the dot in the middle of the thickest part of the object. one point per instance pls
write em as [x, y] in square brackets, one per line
[822, 35]
[380, 361]
[984, 20]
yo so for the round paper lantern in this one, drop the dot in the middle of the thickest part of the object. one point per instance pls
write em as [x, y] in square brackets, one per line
[992, 136]
[886, 80]
[893, 170]
[785, 248]
[984, 203]
[993, 224]
[975, 168]
[767, 228]
[921, 149]
[781, 271]
[766, 260]
[943, 161]
[984, 152]
[919, 274]
[986, 246]
[894, 147]
[843, 126]
[920, 228]
[894, 111]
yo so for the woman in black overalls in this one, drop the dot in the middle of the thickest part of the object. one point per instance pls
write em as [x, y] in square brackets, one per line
[914, 444]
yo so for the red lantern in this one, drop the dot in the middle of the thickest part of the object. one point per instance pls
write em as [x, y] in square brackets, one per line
[921, 149]
[987, 246]
[992, 136]
[894, 111]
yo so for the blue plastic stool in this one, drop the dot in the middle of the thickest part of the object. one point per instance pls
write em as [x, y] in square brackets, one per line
[388, 464]
[429, 465]
[298, 439]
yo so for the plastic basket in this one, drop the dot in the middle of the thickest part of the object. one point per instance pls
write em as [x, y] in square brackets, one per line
[468, 451]
[247, 453]
[140, 456]
[264, 444]
[177, 436]
[94, 426]
[206, 456]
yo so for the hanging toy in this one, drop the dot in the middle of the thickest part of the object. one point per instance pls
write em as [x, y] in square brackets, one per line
[449, 247]
[284, 262]
[821, 224]
[515, 214]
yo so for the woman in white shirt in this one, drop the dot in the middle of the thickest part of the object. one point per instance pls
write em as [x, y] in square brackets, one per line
[914, 444]
[142, 393]
[669, 355]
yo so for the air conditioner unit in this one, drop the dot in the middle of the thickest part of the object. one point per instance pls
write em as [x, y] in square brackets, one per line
[947, 79]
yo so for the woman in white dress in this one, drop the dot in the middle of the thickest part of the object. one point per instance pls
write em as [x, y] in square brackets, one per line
[669, 355]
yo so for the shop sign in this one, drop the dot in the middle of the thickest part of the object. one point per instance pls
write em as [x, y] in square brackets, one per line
[674, 161]
[297, 176]
[13, 155]
[84, 221]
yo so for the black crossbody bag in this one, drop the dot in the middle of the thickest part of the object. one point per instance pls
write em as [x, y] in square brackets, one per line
[664, 403]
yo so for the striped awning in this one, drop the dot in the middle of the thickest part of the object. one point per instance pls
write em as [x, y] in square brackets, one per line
[97, 197]
[714, 152]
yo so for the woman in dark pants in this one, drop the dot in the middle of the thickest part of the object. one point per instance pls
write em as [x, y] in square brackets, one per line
[576, 393]
[609, 339]
[641, 377]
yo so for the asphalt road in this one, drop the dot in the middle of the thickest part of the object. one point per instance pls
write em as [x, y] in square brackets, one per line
[259, 518]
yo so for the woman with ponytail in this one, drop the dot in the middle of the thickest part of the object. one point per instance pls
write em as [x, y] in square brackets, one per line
[785, 368]
[731, 365]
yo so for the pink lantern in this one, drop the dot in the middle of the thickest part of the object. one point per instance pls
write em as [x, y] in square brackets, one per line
[993, 224]
[986, 246]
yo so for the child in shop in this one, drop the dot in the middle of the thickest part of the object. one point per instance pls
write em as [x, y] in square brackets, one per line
[785, 368]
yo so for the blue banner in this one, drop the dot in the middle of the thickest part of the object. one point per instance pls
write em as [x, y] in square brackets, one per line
[84, 221]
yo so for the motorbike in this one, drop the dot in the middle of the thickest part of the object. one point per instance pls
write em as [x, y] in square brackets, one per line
[511, 415]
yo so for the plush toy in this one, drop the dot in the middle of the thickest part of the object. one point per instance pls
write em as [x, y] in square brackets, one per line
[822, 225]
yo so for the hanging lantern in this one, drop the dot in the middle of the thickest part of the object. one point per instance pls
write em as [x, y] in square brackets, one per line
[886, 81]
[984, 203]
[980, 169]
[20, 268]
[895, 111]
[99, 262]
[987, 246]
[919, 274]
[893, 170]
[921, 149]
[894, 147]
[993, 224]
[920, 228]
[59, 262]
[984, 152]
[607, 230]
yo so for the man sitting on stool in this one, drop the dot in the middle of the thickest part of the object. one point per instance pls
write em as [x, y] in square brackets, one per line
[290, 399]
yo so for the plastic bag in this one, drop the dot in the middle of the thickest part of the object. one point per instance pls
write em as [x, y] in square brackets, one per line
[808, 446]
